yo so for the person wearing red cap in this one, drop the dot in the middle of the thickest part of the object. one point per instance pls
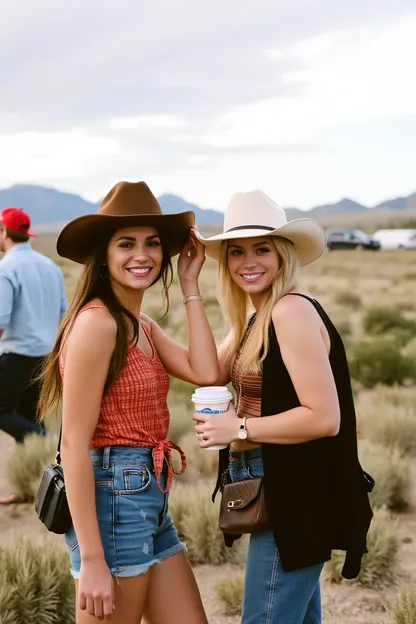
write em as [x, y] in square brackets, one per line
[32, 303]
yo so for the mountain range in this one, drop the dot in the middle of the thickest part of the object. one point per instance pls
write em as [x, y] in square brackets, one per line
[51, 208]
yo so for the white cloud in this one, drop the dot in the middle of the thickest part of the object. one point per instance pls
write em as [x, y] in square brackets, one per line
[38, 156]
[350, 77]
[203, 99]
[168, 122]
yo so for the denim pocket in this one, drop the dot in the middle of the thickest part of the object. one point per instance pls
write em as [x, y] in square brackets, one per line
[255, 468]
[239, 473]
[136, 480]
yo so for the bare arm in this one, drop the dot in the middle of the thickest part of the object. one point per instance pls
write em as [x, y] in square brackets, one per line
[89, 348]
[298, 330]
[197, 364]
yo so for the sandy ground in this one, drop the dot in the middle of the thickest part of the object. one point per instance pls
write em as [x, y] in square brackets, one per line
[341, 605]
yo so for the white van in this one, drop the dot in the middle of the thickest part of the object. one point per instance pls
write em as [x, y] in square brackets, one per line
[396, 239]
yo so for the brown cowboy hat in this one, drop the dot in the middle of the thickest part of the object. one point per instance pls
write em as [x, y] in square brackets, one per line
[127, 204]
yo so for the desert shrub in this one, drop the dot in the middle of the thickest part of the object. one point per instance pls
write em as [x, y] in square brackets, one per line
[180, 499]
[409, 350]
[403, 608]
[230, 591]
[406, 306]
[343, 325]
[181, 390]
[35, 584]
[348, 298]
[396, 396]
[381, 320]
[203, 539]
[25, 467]
[379, 566]
[196, 520]
[391, 472]
[181, 422]
[200, 462]
[380, 362]
[389, 425]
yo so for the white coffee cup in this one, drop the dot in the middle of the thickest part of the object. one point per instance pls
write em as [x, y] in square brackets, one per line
[212, 400]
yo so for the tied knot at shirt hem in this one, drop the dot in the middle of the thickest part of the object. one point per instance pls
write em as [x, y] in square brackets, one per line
[162, 451]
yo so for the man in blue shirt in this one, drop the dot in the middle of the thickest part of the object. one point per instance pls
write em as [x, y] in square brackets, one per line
[32, 303]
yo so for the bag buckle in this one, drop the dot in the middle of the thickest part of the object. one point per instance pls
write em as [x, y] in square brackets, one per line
[234, 503]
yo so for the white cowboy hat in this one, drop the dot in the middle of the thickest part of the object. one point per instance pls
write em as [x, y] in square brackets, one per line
[254, 214]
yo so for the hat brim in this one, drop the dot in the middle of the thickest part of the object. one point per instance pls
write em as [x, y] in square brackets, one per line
[78, 238]
[307, 236]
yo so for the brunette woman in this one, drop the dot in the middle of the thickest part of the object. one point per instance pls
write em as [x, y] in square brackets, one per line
[111, 365]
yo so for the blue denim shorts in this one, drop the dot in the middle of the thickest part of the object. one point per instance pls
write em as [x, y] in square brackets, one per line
[136, 530]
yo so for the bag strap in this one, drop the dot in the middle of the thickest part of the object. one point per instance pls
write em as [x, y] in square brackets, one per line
[58, 450]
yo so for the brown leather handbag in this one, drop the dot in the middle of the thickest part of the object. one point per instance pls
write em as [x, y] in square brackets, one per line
[243, 508]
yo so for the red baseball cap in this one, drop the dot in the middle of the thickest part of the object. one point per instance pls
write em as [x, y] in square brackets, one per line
[17, 220]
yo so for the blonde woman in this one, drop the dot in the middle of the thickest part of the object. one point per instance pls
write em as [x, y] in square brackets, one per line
[293, 422]
[111, 365]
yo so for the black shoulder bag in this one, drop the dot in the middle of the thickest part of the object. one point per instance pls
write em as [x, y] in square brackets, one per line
[51, 504]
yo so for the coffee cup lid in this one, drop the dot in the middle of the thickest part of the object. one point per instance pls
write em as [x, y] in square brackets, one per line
[212, 394]
[212, 390]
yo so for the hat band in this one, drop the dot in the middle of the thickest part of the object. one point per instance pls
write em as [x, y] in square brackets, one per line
[250, 227]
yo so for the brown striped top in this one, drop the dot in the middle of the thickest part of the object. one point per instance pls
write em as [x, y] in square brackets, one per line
[248, 389]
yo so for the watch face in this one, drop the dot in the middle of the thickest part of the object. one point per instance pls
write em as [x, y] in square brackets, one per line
[242, 434]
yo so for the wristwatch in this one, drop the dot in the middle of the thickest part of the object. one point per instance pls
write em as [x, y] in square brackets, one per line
[242, 431]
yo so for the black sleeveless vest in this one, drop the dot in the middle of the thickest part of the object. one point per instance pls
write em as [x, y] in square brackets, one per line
[316, 492]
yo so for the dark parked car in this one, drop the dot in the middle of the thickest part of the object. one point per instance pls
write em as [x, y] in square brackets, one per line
[350, 239]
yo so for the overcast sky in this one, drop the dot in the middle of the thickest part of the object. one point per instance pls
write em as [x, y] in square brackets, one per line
[309, 100]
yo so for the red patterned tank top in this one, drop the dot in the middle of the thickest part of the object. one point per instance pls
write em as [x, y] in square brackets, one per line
[134, 411]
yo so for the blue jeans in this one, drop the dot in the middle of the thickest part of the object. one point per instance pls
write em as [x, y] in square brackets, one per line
[271, 595]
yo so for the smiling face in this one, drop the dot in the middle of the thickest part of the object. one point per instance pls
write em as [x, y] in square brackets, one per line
[253, 263]
[134, 258]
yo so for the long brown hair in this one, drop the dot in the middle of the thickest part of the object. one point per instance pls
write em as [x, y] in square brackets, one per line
[94, 283]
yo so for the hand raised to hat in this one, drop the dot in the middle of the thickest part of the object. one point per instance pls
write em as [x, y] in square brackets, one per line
[190, 262]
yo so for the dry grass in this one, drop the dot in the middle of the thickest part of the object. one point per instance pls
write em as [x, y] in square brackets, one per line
[390, 425]
[25, 467]
[404, 607]
[196, 520]
[350, 285]
[380, 565]
[391, 472]
[201, 462]
[230, 591]
[348, 298]
[409, 350]
[35, 584]
[379, 361]
[181, 423]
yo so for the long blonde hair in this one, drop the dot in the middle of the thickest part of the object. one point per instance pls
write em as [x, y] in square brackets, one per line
[237, 306]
